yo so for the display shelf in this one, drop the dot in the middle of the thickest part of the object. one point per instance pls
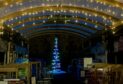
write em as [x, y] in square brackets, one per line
[10, 68]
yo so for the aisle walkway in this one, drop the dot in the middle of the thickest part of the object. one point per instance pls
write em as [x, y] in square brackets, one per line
[64, 79]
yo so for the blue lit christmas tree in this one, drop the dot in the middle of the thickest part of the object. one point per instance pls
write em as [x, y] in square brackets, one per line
[56, 64]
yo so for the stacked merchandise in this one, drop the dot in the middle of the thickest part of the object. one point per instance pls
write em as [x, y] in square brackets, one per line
[16, 82]
[108, 74]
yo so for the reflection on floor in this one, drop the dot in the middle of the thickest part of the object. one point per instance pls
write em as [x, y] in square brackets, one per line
[56, 71]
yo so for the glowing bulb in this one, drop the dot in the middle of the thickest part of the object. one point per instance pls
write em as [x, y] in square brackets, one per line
[51, 16]
[43, 11]
[122, 22]
[113, 32]
[122, 15]
[96, 26]
[20, 4]
[51, 9]
[54, 21]
[57, 5]
[91, 1]
[95, 15]
[2, 21]
[109, 11]
[12, 29]
[65, 21]
[23, 25]
[85, 23]
[43, 21]
[31, 7]
[113, 28]
[33, 23]
[70, 4]
[19, 22]
[43, 4]
[113, 13]
[6, 4]
[11, 5]
[117, 5]
[76, 21]
[39, 17]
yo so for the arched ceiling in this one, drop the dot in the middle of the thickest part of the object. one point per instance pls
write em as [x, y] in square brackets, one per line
[81, 17]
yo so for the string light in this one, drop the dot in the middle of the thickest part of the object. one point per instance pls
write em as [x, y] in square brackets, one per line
[105, 19]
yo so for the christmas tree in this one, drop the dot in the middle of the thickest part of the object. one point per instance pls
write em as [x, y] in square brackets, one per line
[56, 65]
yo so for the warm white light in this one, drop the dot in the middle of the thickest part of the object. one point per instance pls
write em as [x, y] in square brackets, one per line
[51, 16]
[31, 7]
[57, 5]
[17, 3]
[39, 17]
[100, 69]
[122, 15]
[117, 5]
[43, 4]
[29, 13]
[23, 25]
[109, 11]
[85, 23]
[21, 4]
[64, 11]
[6, 4]
[76, 21]
[113, 28]
[95, 15]
[43, 11]
[16, 18]
[96, 26]
[54, 21]
[51, 9]
[33, 23]
[70, 4]
[12, 29]
[65, 21]
[113, 32]
[11, 5]
[113, 23]
[1, 33]
[113, 13]
[122, 22]
[58, 11]
[2, 21]
[19, 22]
[44, 21]
[91, 1]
